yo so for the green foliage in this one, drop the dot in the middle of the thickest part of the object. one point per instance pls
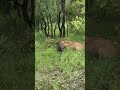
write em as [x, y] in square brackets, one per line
[78, 28]
[56, 69]
[74, 8]
[106, 8]
[78, 21]
[79, 24]
[44, 8]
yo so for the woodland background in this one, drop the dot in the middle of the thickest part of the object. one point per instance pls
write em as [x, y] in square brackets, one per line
[46, 21]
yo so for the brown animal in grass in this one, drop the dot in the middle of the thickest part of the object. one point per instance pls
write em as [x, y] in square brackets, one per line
[108, 51]
[61, 45]
[100, 47]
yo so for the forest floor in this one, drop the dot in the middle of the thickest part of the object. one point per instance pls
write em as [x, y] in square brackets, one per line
[58, 71]
[67, 71]
[103, 74]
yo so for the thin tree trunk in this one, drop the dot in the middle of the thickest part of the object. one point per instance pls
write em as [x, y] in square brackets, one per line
[51, 25]
[33, 13]
[63, 17]
[48, 28]
[60, 30]
[45, 27]
[55, 30]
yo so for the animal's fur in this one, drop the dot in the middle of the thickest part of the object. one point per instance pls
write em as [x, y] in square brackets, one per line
[61, 45]
[94, 47]
[108, 51]
[100, 47]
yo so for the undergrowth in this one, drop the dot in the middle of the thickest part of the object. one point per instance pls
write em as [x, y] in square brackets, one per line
[56, 70]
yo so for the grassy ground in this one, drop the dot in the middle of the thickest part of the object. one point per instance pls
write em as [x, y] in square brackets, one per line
[58, 71]
[17, 64]
[16, 72]
[103, 74]
[55, 71]
[16, 56]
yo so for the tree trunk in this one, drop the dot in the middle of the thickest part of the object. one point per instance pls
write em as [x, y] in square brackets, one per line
[55, 30]
[48, 27]
[63, 17]
[33, 13]
[51, 25]
[60, 30]
[45, 27]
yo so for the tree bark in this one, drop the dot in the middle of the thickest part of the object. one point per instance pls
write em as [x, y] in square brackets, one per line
[60, 30]
[63, 17]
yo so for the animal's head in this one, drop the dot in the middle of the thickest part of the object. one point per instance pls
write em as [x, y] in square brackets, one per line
[60, 46]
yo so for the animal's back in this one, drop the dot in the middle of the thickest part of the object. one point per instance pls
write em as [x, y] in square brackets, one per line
[108, 52]
[70, 44]
[100, 47]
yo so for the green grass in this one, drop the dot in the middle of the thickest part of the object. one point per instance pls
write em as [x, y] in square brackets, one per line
[16, 62]
[16, 71]
[103, 74]
[55, 70]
